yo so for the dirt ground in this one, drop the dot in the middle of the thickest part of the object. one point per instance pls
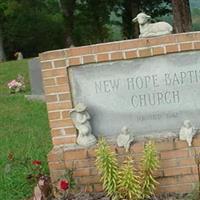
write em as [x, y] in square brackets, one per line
[101, 196]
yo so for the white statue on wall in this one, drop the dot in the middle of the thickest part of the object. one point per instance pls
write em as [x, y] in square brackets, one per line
[125, 138]
[81, 118]
[148, 29]
[187, 132]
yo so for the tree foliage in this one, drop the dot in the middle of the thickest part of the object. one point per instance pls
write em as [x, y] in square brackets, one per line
[36, 26]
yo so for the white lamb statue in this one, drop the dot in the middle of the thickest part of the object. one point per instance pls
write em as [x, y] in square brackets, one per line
[148, 29]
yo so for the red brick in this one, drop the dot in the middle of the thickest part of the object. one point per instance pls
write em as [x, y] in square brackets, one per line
[158, 173]
[89, 59]
[172, 48]
[52, 55]
[49, 82]
[91, 153]
[105, 47]
[158, 51]
[145, 52]
[184, 37]
[186, 46]
[62, 80]
[53, 72]
[56, 165]
[196, 142]
[102, 57]
[133, 44]
[131, 54]
[69, 164]
[46, 65]
[75, 154]
[57, 132]
[196, 35]
[197, 45]
[55, 156]
[84, 163]
[65, 115]
[60, 63]
[177, 171]
[59, 106]
[164, 146]
[186, 162]
[165, 39]
[138, 147]
[168, 163]
[174, 154]
[167, 181]
[54, 115]
[116, 56]
[89, 180]
[70, 131]
[98, 188]
[74, 61]
[77, 51]
[51, 98]
[180, 144]
[64, 97]
[64, 141]
[187, 179]
[61, 123]
[57, 89]
[179, 188]
[81, 172]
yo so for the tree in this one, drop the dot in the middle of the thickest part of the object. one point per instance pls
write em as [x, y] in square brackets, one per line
[67, 8]
[182, 16]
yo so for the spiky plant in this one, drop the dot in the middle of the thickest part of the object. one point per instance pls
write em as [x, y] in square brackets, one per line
[128, 182]
[106, 163]
[150, 163]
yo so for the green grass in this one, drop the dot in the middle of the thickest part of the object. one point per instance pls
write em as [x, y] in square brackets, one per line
[24, 132]
[9, 71]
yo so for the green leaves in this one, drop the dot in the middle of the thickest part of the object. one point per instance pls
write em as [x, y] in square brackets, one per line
[107, 164]
[126, 182]
[149, 164]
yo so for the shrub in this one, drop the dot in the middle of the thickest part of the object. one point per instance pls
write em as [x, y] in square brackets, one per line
[125, 182]
[107, 165]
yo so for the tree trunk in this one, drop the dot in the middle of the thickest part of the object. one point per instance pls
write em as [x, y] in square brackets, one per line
[2, 54]
[181, 16]
[131, 9]
[68, 7]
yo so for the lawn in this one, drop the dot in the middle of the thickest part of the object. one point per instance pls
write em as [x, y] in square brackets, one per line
[24, 134]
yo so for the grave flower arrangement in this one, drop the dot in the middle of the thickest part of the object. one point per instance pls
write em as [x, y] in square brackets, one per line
[17, 85]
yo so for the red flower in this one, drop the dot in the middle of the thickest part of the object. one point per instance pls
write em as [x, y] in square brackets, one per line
[36, 162]
[64, 185]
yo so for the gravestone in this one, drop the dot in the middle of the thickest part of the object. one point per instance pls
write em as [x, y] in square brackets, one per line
[35, 75]
[150, 95]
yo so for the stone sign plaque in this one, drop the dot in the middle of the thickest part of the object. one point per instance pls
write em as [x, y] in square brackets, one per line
[149, 96]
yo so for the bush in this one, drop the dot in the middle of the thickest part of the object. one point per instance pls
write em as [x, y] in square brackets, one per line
[125, 182]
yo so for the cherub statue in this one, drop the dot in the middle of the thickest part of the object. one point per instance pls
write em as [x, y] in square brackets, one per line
[81, 118]
[125, 138]
[187, 132]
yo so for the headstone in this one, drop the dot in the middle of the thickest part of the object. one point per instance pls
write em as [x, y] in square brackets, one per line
[150, 95]
[35, 75]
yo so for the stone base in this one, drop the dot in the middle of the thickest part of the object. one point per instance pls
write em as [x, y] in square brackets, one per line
[177, 172]
[35, 97]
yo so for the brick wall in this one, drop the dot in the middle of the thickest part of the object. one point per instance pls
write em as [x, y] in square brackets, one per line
[177, 173]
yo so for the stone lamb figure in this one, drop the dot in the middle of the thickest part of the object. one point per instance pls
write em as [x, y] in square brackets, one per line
[187, 132]
[148, 29]
[81, 118]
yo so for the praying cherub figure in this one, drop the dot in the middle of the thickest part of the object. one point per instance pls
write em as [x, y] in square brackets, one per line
[187, 132]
